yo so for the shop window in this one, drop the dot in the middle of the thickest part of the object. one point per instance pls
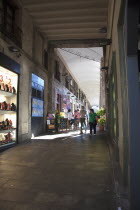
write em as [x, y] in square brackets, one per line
[57, 72]
[58, 98]
[9, 14]
[33, 92]
[8, 107]
[66, 83]
[37, 96]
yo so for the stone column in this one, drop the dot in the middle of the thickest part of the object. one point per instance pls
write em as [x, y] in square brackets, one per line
[50, 79]
[133, 104]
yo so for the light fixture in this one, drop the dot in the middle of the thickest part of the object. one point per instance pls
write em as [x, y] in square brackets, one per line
[65, 74]
[103, 30]
[104, 68]
[105, 42]
[13, 49]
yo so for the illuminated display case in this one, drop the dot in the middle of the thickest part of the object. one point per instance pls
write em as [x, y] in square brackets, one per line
[8, 107]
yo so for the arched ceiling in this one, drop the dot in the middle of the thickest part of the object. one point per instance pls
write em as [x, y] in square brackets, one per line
[69, 19]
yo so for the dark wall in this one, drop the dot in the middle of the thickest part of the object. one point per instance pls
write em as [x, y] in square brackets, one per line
[8, 63]
[37, 125]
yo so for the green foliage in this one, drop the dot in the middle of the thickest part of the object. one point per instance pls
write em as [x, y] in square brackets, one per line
[101, 112]
[102, 121]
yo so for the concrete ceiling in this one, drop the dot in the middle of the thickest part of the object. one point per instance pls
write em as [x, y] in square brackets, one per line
[69, 19]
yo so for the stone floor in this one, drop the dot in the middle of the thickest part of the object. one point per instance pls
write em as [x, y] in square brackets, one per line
[72, 173]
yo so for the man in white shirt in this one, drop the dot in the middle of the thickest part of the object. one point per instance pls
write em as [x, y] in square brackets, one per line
[82, 118]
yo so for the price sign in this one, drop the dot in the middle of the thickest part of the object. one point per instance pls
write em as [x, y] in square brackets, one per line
[5, 79]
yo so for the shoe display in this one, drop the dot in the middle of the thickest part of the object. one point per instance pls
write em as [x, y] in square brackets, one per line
[8, 107]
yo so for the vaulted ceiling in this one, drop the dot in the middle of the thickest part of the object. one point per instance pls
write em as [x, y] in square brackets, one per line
[69, 19]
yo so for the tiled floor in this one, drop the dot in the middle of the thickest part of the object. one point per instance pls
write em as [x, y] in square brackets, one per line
[72, 173]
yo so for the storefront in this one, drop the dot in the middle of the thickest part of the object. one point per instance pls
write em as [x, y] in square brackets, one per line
[9, 77]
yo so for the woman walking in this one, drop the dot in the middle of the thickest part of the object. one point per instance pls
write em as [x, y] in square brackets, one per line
[92, 121]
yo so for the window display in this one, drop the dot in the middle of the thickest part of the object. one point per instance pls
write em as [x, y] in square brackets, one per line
[8, 106]
[37, 96]
[37, 108]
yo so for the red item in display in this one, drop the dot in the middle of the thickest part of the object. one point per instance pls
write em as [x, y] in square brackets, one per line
[8, 136]
[3, 106]
[10, 89]
[10, 122]
[8, 107]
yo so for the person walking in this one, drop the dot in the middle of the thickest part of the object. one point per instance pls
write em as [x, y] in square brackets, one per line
[92, 121]
[76, 118]
[82, 119]
[57, 121]
[69, 118]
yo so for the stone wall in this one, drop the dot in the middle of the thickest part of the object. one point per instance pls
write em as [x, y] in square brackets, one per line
[54, 85]
[114, 11]
[30, 59]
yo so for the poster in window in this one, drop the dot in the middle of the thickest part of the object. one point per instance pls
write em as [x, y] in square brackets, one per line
[37, 108]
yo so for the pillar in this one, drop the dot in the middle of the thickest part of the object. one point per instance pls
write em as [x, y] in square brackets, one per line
[133, 104]
[50, 80]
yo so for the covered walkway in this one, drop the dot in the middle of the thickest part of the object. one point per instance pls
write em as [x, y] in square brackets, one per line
[72, 173]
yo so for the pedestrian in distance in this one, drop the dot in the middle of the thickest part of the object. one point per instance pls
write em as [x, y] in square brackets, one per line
[69, 118]
[76, 119]
[82, 119]
[92, 121]
[57, 121]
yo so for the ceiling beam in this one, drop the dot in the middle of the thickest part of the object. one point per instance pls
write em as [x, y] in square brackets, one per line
[72, 25]
[67, 13]
[64, 5]
[36, 2]
[72, 31]
[73, 19]
[82, 43]
[75, 36]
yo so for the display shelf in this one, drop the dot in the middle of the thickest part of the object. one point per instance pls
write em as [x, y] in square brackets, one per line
[6, 131]
[7, 145]
[7, 112]
[7, 94]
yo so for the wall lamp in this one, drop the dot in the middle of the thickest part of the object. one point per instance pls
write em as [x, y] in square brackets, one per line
[103, 30]
[105, 42]
[104, 68]
[13, 49]
[64, 74]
